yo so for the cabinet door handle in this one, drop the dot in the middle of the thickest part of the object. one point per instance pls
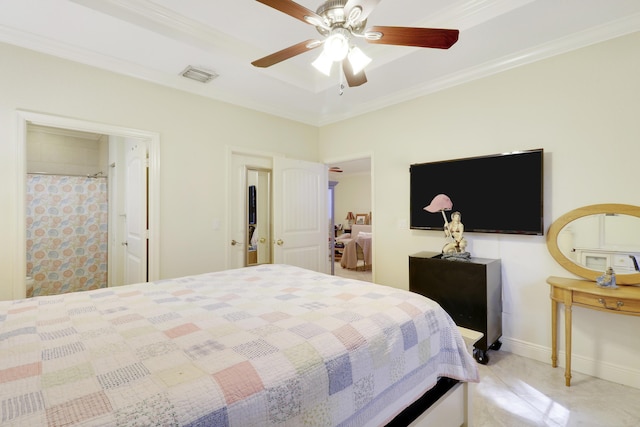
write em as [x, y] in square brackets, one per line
[604, 303]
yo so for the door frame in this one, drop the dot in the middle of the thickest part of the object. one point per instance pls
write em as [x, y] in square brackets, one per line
[153, 138]
[259, 156]
[232, 152]
[360, 156]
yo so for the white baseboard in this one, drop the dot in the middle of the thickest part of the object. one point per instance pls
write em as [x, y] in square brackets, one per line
[594, 368]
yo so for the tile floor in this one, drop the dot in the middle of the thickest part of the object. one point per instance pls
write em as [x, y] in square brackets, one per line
[353, 274]
[516, 391]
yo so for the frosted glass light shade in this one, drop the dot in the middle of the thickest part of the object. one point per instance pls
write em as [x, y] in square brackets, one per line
[336, 46]
[323, 64]
[358, 60]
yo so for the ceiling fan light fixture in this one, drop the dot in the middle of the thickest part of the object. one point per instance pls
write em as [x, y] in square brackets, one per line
[336, 46]
[358, 59]
[354, 15]
[338, 21]
[323, 63]
[373, 35]
[316, 22]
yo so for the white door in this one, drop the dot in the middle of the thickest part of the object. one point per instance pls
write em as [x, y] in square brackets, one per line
[135, 266]
[300, 219]
[238, 205]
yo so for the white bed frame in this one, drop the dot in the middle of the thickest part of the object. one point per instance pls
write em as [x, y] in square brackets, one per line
[454, 409]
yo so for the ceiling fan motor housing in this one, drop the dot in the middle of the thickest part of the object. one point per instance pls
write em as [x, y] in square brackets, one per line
[332, 11]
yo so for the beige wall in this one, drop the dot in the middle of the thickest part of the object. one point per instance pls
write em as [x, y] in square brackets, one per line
[66, 153]
[583, 109]
[353, 194]
[194, 135]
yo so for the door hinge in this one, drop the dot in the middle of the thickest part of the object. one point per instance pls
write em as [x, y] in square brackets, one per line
[146, 234]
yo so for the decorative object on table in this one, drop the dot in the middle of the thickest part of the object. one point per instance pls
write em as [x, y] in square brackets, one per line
[350, 218]
[362, 219]
[455, 247]
[607, 280]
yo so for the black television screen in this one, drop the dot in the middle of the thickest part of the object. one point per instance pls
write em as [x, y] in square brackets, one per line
[501, 193]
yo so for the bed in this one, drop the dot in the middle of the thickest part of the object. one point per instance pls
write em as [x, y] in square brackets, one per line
[257, 346]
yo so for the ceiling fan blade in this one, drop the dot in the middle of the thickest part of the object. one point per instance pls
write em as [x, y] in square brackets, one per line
[353, 79]
[366, 6]
[410, 36]
[286, 53]
[292, 8]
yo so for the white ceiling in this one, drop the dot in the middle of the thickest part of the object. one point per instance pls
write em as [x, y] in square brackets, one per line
[156, 40]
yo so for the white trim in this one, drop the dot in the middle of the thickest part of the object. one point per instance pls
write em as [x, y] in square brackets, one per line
[478, 13]
[230, 212]
[19, 284]
[357, 156]
[585, 365]
[24, 117]
[576, 41]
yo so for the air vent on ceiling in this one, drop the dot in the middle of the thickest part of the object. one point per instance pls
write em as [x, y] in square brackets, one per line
[198, 74]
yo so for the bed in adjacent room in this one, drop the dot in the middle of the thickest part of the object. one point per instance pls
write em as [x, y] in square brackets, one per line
[361, 236]
[258, 346]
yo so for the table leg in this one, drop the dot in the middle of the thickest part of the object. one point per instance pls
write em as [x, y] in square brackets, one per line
[554, 334]
[567, 331]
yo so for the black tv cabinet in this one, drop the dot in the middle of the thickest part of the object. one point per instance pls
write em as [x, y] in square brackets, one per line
[469, 291]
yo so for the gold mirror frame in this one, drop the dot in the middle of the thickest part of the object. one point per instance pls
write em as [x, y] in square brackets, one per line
[578, 270]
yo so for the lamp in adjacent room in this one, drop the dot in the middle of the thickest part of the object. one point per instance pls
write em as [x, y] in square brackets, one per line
[350, 217]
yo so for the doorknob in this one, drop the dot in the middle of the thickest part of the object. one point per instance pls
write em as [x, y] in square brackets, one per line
[234, 242]
[262, 240]
[279, 242]
[125, 244]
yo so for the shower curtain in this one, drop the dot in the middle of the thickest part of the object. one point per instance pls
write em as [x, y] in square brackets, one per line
[67, 219]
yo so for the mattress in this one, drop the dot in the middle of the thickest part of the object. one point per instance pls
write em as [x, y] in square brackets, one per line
[259, 346]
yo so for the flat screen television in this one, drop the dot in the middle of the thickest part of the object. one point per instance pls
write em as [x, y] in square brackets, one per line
[500, 193]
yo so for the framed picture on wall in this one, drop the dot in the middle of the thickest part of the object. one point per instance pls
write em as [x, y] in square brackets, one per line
[362, 219]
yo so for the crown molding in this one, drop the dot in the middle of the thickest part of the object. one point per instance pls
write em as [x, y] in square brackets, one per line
[627, 25]
[579, 40]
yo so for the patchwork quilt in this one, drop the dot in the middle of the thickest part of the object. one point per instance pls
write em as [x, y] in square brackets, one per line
[261, 346]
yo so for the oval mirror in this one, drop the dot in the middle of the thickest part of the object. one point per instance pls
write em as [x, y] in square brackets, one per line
[587, 240]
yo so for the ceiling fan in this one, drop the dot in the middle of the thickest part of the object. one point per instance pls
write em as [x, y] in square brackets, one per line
[341, 22]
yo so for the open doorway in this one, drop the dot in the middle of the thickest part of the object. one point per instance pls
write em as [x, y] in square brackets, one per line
[294, 219]
[351, 214]
[135, 154]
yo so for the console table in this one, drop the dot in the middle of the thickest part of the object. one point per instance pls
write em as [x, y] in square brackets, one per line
[585, 293]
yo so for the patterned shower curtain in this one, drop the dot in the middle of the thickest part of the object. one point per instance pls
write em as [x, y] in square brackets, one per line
[67, 220]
